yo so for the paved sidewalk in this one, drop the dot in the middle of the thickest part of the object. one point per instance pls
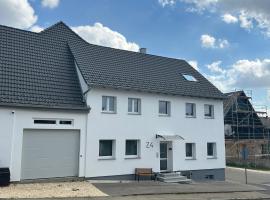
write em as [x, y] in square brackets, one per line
[150, 187]
[207, 196]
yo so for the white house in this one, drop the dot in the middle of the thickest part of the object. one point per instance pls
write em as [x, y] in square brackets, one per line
[70, 108]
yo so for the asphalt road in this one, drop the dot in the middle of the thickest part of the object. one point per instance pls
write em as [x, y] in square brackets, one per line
[257, 178]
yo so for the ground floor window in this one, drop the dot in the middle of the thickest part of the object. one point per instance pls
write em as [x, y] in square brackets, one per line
[190, 150]
[265, 148]
[211, 149]
[132, 148]
[106, 148]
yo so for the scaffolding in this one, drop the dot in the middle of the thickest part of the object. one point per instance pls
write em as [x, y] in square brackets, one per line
[244, 125]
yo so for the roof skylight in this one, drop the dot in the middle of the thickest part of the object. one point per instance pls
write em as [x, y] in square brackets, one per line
[189, 77]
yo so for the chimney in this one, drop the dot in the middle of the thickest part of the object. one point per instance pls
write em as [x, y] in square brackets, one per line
[142, 50]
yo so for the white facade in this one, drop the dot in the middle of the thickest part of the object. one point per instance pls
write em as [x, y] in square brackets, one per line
[144, 127]
[120, 126]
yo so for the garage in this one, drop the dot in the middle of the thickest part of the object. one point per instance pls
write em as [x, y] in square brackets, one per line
[50, 153]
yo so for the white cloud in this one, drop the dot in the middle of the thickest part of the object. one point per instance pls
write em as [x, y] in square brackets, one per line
[208, 41]
[242, 74]
[36, 28]
[251, 14]
[164, 3]
[194, 64]
[215, 67]
[17, 13]
[102, 35]
[229, 19]
[50, 3]
[222, 43]
[245, 21]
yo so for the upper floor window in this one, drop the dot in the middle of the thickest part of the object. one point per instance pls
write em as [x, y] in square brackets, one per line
[134, 105]
[164, 108]
[109, 104]
[209, 111]
[190, 150]
[190, 109]
[189, 77]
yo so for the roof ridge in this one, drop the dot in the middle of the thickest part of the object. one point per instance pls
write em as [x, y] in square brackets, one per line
[123, 50]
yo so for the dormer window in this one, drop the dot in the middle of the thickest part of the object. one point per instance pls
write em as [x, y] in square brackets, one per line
[189, 77]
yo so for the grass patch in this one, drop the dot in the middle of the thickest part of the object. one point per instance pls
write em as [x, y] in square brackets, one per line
[249, 166]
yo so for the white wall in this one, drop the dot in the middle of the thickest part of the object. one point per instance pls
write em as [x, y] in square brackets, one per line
[122, 126]
[11, 141]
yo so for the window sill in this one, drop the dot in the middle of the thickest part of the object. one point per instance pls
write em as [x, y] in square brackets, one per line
[211, 157]
[188, 116]
[164, 115]
[108, 112]
[106, 158]
[132, 157]
[208, 117]
[133, 113]
[190, 158]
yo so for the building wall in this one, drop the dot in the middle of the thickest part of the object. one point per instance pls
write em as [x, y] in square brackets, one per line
[14, 121]
[256, 158]
[122, 126]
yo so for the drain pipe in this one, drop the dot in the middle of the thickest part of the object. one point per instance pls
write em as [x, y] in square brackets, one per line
[12, 142]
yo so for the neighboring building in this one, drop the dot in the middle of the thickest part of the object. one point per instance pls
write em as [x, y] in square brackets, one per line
[245, 128]
[70, 108]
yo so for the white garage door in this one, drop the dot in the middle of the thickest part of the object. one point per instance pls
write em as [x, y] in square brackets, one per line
[50, 153]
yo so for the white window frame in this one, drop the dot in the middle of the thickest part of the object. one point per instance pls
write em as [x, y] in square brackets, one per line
[212, 111]
[112, 157]
[189, 77]
[193, 146]
[168, 108]
[107, 108]
[194, 110]
[138, 149]
[133, 106]
[214, 156]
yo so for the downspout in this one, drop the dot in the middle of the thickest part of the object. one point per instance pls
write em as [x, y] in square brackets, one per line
[12, 143]
[86, 134]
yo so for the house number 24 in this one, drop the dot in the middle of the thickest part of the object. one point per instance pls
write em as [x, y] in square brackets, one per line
[149, 145]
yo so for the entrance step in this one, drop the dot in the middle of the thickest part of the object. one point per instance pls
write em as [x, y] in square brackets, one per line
[173, 177]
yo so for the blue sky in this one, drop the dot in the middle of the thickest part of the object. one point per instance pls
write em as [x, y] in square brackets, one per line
[226, 40]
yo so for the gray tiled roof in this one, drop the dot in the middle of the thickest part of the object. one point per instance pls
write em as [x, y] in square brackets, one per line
[37, 69]
[109, 67]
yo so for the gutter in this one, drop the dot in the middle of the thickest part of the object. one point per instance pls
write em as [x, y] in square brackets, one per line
[85, 109]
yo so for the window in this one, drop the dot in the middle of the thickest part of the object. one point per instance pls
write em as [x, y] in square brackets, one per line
[164, 107]
[132, 148]
[211, 149]
[106, 148]
[65, 122]
[190, 109]
[209, 111]
[109, 104]
[44, 121]
[189, 77]
[190, 150]
[134, 105]
[265, 148]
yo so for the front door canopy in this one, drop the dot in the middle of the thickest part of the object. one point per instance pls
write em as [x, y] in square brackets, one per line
[169, 137]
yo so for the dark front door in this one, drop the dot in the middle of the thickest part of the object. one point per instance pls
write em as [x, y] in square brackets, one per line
[163, 156]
